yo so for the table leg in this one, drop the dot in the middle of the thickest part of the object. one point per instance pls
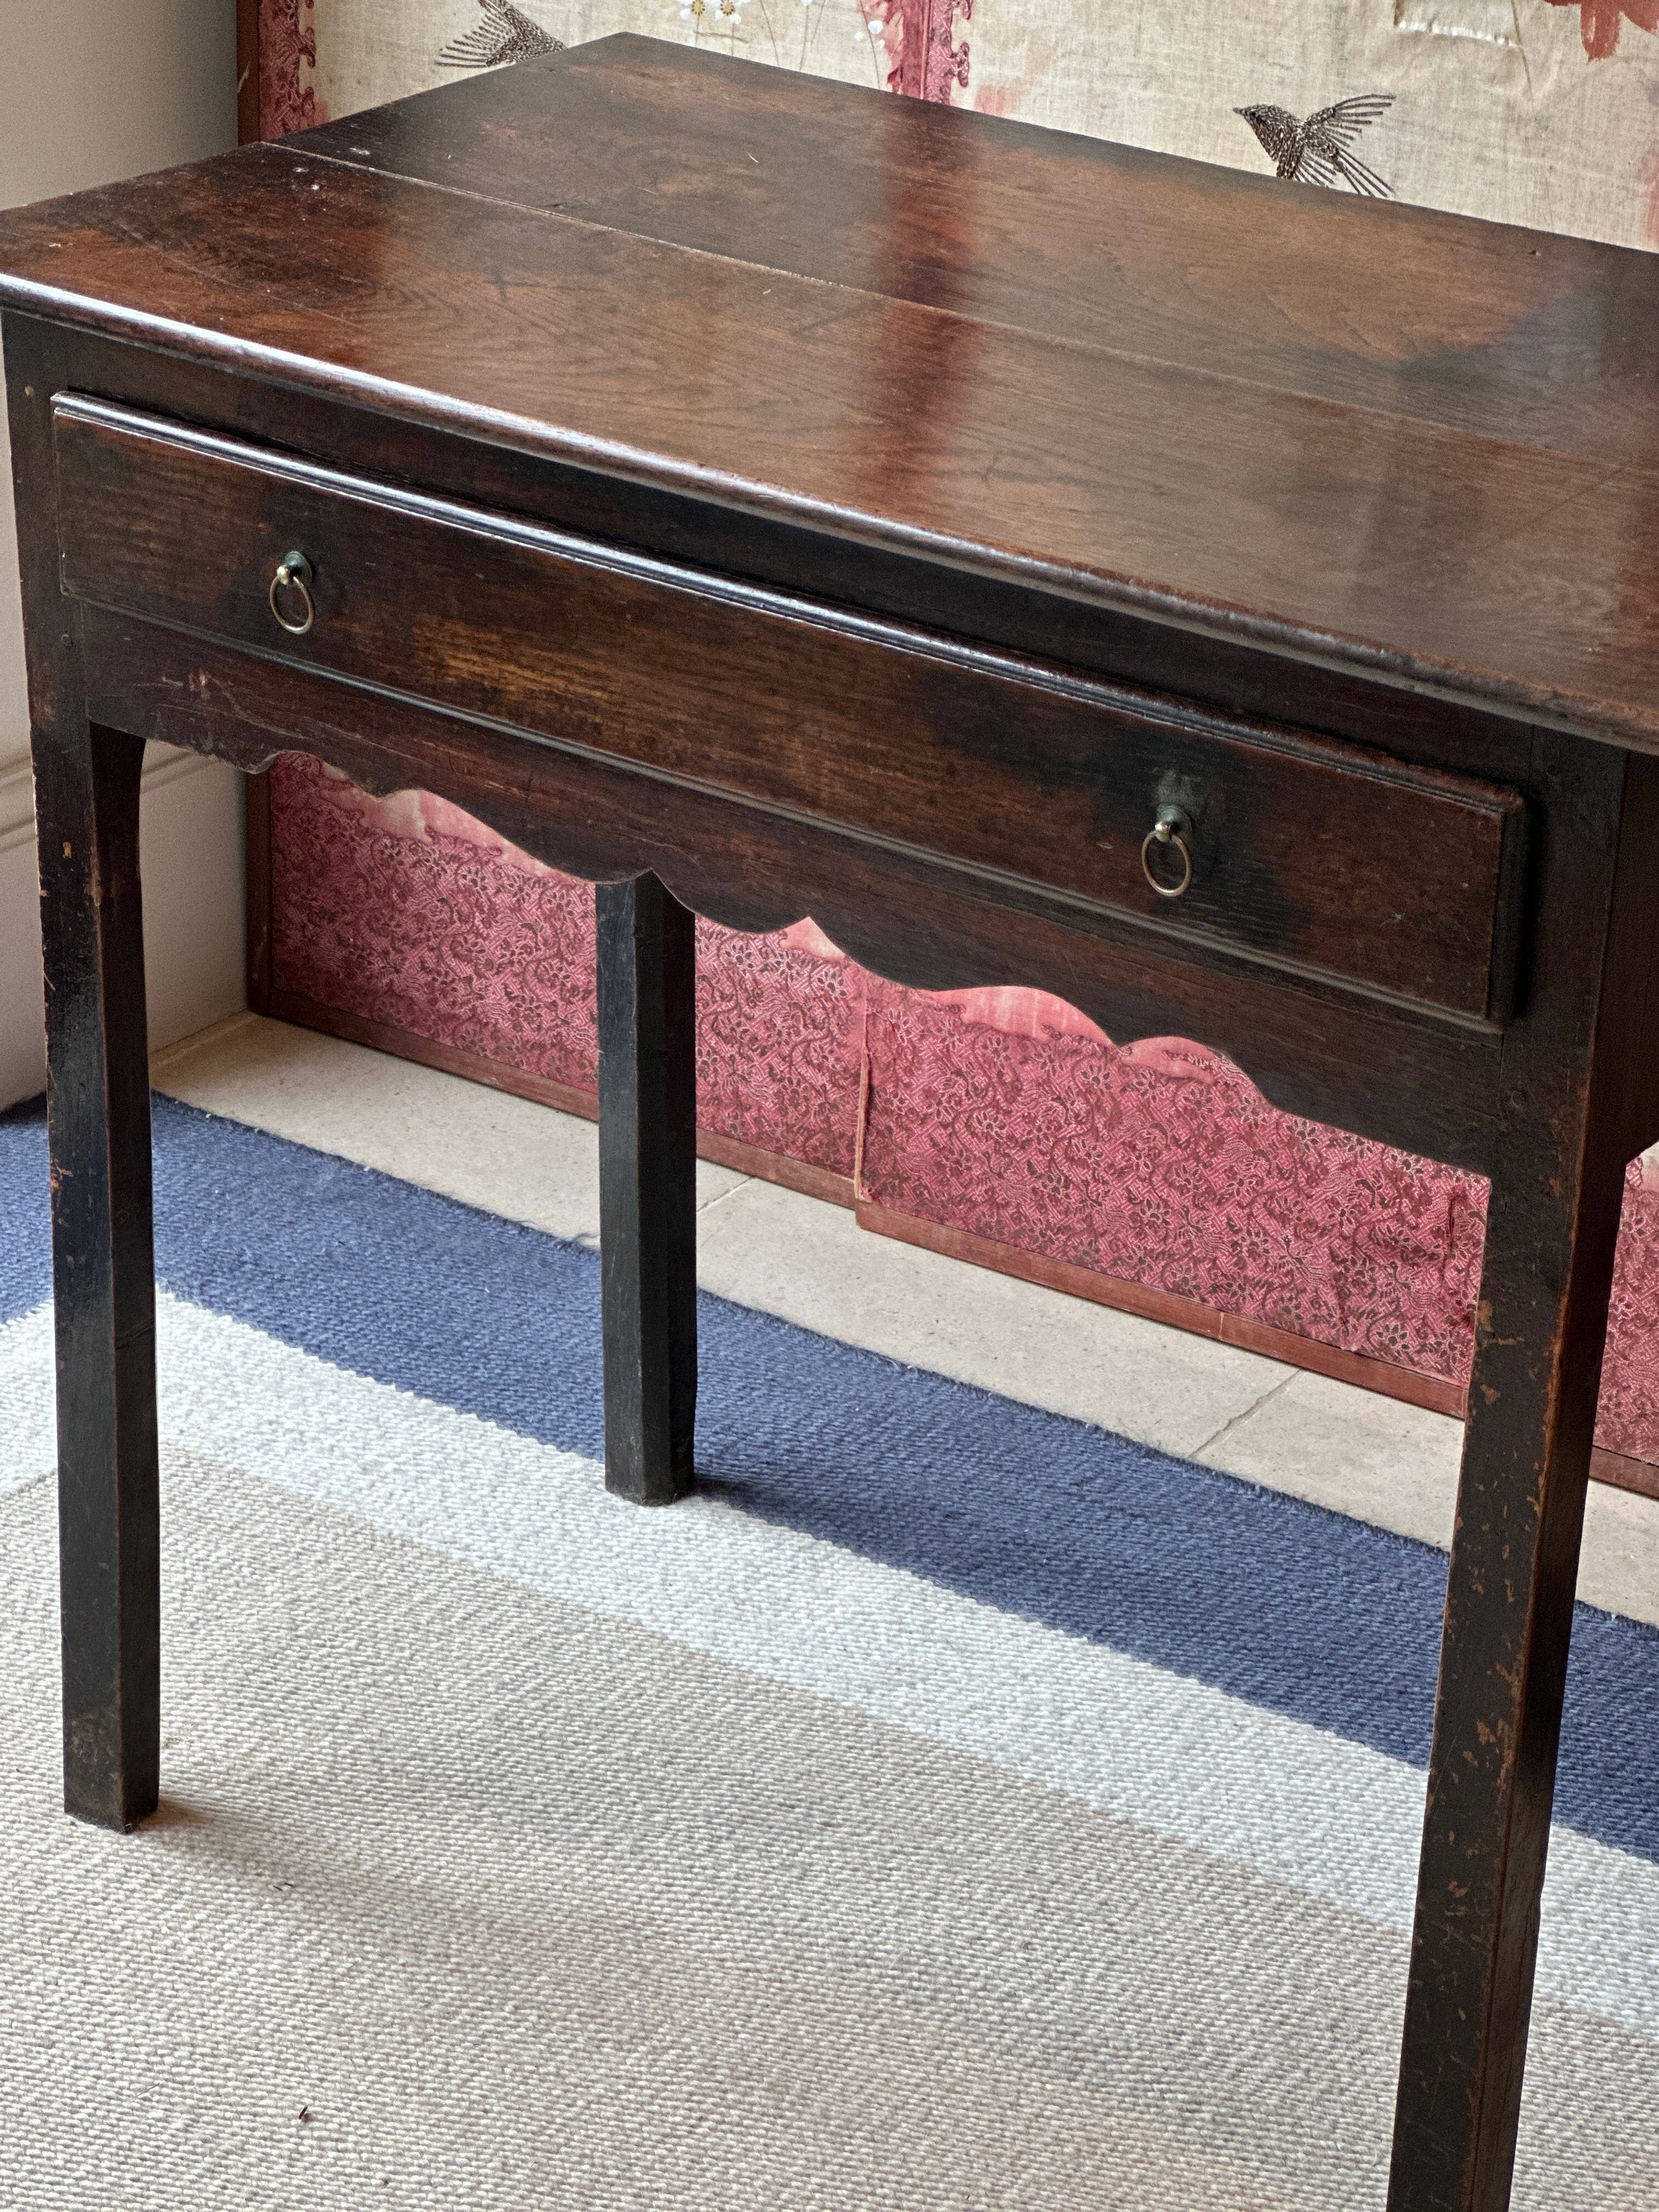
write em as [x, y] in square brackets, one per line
[103, 1269]
[647, 1187]
[1542, 1322]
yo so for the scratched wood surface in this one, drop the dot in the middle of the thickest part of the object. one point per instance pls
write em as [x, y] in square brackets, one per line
[1381, 438]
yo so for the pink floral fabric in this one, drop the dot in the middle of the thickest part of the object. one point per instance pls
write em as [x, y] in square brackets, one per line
[1163, 1164]
[926, 61]
[288, 52]
[1629, 1418]
[1004, 1113]
[406, 912]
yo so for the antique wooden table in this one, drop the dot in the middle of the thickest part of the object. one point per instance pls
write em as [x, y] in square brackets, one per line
[1227, 605]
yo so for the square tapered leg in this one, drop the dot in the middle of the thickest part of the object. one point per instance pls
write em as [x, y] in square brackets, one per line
[103, 1270]
[1578, 1106]
[1498, 1718]
[647, 1187]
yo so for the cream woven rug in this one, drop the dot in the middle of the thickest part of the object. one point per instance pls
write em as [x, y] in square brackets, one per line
[950, 1806]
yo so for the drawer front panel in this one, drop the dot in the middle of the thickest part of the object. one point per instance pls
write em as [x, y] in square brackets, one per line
[1305, 853]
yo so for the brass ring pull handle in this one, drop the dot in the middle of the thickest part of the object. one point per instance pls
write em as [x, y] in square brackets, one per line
[292, 579]
[1170, 834]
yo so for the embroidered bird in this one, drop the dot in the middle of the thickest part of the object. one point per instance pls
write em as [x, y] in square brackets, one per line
[1315, 152]
[506, 34]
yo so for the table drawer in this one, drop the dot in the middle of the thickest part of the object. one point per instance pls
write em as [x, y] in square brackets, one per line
[1303, 852]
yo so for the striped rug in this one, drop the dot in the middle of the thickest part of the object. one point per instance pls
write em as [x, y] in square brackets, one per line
[950, 1805]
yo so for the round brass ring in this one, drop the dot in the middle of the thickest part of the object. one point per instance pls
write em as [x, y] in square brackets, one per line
[294, 575]
[1166, 835]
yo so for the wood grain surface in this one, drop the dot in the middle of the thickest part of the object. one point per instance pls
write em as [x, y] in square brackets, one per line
[1514, 334]
[1386, 1070]
[1309, 853]
[1491, 548]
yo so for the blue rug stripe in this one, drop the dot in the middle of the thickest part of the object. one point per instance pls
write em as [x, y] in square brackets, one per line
[1299, 1611]
[25, 1223]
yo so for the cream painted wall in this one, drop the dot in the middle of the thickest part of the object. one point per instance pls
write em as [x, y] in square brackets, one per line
[90, 91]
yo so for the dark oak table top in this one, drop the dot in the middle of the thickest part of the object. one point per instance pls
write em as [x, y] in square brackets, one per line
[1390, 441]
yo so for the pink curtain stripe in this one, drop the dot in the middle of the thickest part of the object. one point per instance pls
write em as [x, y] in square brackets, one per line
[287, 54]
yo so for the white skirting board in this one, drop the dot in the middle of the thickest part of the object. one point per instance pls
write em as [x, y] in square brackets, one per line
[194, 919]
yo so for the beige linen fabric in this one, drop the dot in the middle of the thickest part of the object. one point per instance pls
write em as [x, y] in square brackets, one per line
[1498, 109]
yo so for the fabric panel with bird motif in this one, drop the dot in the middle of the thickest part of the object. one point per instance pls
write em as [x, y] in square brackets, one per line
[1317, 151]
[506, 34]
[1533, 112]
